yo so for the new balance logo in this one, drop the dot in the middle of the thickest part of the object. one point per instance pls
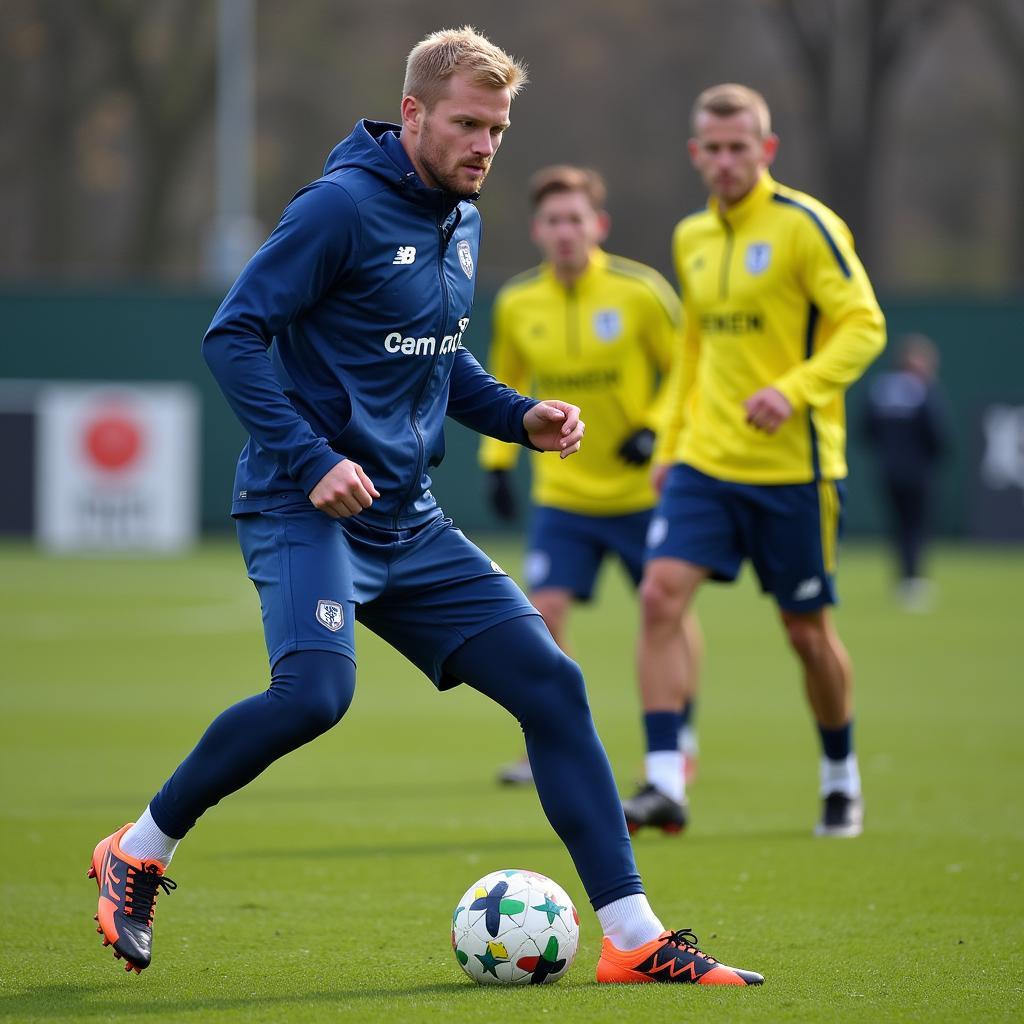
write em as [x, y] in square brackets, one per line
[807, 589]
[406, 254]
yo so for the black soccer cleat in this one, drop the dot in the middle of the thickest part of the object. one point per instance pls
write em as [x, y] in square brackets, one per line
[128, 889]
[652, 808]
[842, 816]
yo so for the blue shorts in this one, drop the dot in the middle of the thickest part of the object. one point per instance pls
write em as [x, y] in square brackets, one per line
[788, 531]
[425, 591]
[566, 549]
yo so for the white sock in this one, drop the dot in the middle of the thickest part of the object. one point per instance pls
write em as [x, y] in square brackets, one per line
[665, 771]
[840, 776]
[629, 922]
[146, 842]
[688, 741]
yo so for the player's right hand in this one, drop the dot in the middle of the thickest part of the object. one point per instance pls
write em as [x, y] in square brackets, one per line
[502, 499]
[345, 490]
[659, 472]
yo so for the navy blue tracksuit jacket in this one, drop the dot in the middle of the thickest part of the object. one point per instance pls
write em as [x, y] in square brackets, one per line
[361, 297]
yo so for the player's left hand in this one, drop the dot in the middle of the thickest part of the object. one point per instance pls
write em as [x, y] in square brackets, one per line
[555, 426]
[767, 409]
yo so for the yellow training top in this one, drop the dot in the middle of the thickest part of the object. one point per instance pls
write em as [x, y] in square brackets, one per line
[773, 295]
[603, 344]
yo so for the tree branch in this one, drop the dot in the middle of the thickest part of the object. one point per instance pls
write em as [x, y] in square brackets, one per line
[894, 40]
[1006, 33]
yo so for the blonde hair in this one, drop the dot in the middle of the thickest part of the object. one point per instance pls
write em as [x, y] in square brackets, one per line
[433, 60]
[566, 178]
[730, 98]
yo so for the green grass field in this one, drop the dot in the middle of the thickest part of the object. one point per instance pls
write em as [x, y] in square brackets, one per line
[323, 892]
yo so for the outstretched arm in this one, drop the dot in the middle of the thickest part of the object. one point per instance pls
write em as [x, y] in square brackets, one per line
[478, 401]
[483, 404]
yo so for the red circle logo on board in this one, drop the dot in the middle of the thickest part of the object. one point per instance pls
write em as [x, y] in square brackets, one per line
[113, 441]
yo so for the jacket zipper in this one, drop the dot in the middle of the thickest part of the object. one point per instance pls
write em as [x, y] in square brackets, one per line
[723, 271]
[413, 412]
[572, 326]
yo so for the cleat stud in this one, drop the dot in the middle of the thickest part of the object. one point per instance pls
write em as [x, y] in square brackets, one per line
[95, 917]
[92, 873]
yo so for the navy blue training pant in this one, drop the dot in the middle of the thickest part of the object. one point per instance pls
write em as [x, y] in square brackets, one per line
[515, 663]
[309, 692]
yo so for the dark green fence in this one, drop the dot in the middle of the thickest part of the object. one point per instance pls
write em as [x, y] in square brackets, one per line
[148, 334]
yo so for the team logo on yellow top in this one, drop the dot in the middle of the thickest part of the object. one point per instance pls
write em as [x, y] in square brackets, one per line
[759, 255]
[607, 324]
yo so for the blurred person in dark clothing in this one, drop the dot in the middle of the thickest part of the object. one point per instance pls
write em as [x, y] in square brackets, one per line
[907, 427]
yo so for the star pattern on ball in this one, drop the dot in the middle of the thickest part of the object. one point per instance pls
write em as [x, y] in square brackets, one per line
[489, 961]
[549, 907]
[515, 927]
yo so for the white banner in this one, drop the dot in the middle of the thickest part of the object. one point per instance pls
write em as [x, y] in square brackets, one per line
[116, 467]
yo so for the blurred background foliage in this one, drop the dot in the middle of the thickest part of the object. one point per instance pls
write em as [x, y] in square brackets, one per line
[907, 116]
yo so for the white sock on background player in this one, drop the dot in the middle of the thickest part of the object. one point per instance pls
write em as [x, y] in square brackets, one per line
[840, 776]
[664, 770]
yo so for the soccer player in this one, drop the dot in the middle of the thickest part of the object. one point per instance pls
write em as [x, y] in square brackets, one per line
[340, 349]
[906, 424]
[600, 331]
[780, 319]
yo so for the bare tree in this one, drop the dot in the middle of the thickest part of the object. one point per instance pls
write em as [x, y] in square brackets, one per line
[106, 143]
[1004, 20]
[54, 93]
[850, 51]
[165, 62]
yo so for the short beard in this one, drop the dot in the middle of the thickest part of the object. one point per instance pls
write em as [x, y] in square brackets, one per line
[449, 182]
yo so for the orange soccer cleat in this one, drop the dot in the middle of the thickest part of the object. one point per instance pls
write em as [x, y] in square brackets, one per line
[128, 891]
[672, 956]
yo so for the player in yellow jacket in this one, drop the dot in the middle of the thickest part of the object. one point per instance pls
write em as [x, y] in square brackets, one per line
[602, 330]
[780, 319]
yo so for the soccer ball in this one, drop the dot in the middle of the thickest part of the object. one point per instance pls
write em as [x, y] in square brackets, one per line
[515, 928]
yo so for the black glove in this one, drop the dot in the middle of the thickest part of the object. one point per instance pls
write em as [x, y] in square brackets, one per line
[500, 494]
[638, 448]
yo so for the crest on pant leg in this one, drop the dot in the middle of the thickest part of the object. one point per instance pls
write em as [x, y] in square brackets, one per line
[330, 614]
